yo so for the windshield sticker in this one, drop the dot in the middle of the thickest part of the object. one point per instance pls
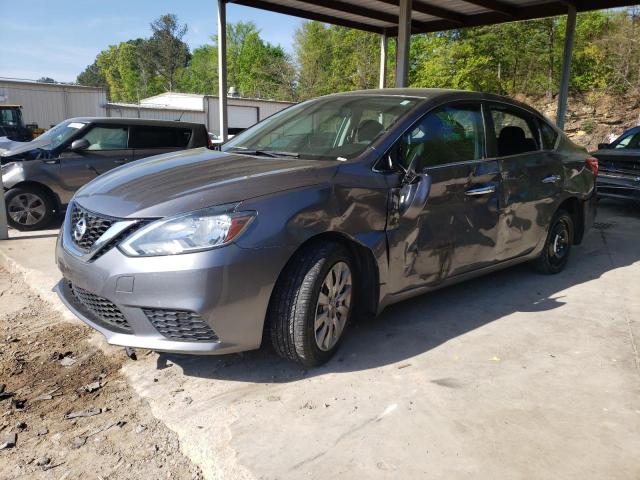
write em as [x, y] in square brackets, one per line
[76, 125]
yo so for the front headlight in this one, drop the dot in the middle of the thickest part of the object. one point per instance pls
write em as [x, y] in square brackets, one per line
[187, 233]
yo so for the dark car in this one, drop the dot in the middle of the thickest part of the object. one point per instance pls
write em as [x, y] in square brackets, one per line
[330, 209]
[619, 164]
[41, 176]
[12, 124]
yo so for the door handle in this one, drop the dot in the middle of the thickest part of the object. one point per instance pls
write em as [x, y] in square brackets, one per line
[551, 179]
[481, 190]
[53, 161]
[120, 161]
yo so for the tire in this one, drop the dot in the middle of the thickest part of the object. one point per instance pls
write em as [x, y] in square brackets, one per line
[28, 208]
[296, 304]
[557, 246]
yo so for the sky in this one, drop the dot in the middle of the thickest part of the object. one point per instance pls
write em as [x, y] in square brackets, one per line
[59, 38]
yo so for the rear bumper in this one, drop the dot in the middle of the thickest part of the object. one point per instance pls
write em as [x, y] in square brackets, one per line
[617, 185]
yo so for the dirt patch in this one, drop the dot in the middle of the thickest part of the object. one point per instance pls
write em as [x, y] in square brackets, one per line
[66, 405]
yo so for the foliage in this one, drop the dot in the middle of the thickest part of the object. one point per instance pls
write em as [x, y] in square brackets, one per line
[508, 58]
[333, 58]
[139, 68]
[254, 67]
[526, 57]
[165, 52]
[92, 76]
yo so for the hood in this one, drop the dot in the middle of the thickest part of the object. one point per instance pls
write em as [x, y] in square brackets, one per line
[192, 179]
[10, 148]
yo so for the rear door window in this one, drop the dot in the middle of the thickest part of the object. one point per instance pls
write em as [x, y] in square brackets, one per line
[516, 131]
[548, 135]
[159, 137]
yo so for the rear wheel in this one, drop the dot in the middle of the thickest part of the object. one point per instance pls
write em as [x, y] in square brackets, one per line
[555, 254]
[312, 304]
[28, 208]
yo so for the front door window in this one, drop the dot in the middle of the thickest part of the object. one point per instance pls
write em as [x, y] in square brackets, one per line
[107, 138]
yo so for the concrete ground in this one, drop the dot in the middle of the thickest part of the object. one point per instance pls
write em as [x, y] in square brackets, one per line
[514, 375]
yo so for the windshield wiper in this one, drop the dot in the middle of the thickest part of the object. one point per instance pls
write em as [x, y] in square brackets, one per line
[264, 153]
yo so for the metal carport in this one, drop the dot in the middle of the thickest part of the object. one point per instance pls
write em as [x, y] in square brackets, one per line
[401, 18]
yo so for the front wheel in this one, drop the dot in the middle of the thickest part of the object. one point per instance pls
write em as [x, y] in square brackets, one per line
[28, 208]
[555, 254]
[312, 304]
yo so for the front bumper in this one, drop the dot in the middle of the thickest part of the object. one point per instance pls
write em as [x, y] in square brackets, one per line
[228, 288]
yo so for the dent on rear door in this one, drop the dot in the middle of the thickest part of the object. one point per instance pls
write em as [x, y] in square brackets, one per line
[532, 189]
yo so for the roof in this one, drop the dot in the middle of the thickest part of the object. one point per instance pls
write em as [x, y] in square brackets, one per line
[133, 121]
[160, 96]
[440, 94]
[428, 15]
[426, 93]
[153, 106]
[20, 81]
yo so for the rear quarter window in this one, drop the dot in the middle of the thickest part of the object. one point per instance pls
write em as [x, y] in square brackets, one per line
[159, 137]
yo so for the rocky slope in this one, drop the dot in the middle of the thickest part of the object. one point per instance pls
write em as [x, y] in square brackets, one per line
[593, 117]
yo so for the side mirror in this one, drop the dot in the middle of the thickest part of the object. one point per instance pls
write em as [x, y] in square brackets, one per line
[413, 196]
[79, 145]
[604, 146]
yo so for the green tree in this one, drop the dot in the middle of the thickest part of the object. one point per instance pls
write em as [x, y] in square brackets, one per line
[254, 67]
[333, 58]
[92, 76]
[201, 74]
[165, 52]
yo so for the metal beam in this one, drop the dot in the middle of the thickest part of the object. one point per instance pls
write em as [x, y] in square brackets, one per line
[428, 9]
[308, 14]
[4, 232]
[354, 9]
[368, 13]
[383, 59]
[440, 12]
[402, 45]
[566, 66]
[222, 68]
[496, 6]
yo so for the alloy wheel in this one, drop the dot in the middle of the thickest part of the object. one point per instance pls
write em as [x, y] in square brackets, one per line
[27, 209]
[334, 303]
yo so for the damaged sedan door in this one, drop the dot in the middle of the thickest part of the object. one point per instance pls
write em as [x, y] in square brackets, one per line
[443, 212]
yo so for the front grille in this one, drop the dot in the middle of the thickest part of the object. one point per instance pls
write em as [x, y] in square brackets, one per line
[103, 309]
[180, 325]
[95, 227]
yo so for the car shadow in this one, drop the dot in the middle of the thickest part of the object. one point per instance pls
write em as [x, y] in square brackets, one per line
[55, 224]
[423, 323]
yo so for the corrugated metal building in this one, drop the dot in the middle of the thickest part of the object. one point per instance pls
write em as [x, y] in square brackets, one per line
[47, 104]
[243, 112]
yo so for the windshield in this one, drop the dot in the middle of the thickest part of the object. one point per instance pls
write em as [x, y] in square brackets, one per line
[60, 133]
[9, 117]
[328, 128]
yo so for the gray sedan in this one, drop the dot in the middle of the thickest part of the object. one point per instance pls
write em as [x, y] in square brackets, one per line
[327, 211]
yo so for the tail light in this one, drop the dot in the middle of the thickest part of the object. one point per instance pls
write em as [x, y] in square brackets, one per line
[592, 164]
[209, 142]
